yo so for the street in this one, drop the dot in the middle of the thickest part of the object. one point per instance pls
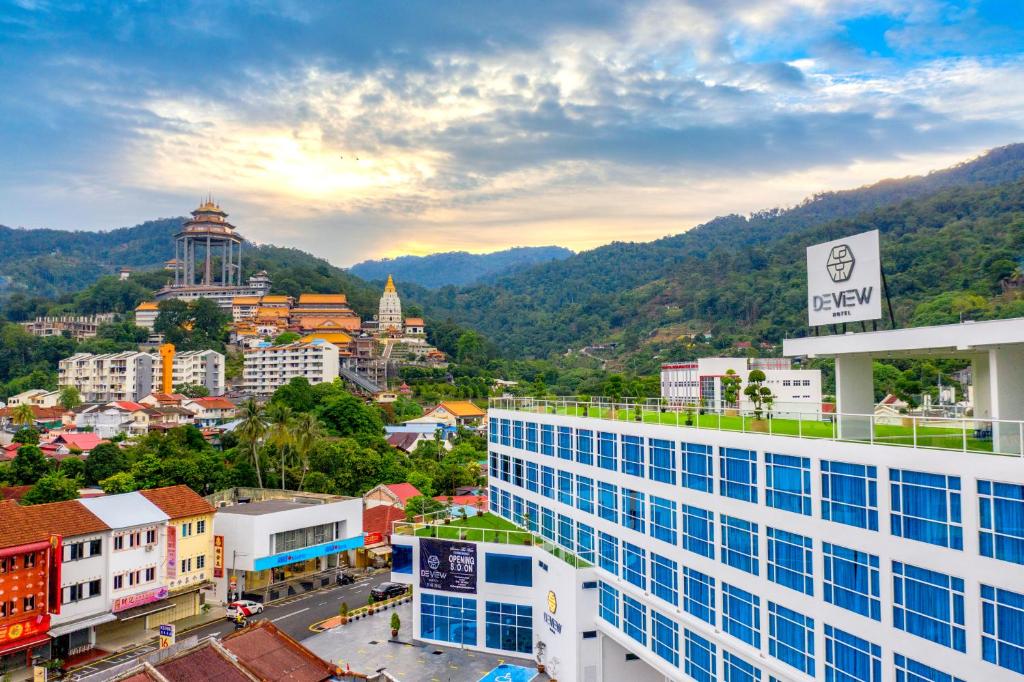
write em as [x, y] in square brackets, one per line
[292, 616]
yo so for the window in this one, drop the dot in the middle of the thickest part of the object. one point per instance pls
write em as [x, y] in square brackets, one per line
[547, 523]
[565, 532]
[150, 574]
[789, 560]
[634, 564]
[492, 430]
[200, 526]
[606, 457]
[739, 544]
[401, 559]
[492, 499]
[1002, 624]
[849, 494]
[492, 464]
[851, 580]
[926, 507]
[506, 504]
[634, 619]
[608, 502]
[585, 542]
[565, 487]
[95, 547]
[738, 471]
[517, 472]
[547, 439]
[851, 659]
[741, 615]
[665, 637]
[119, 542]
[508, 569]
[663, 460]
[299, 538]
[665, 579]
[547, 482]
[585, 446]
[608, 604]
[929, 604]
[585, 494]
[531, 437]
[663, 520]
[633, 455]
[517, 435]
[608, 552]
[698, 530]
[532, 477]
[564, 442]
[739, 670]
[186, 529]
[1001, 511]
[448, 619]
[700, 658]
[506, 432]
[118, 582]
[788, 483]
[28, 604]
[533, 520]
[909, 670]
[699, 595]
[506, 468]
[697, 467]
[509, 627]
[633, 510]
[29, 560]
[791, 637]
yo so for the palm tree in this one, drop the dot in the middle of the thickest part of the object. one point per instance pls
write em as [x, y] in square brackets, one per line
[280, 436]
[307, 433]
[252, 430]
[23, 416]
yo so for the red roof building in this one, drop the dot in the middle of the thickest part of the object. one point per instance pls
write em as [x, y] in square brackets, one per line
[390, 494]
[83, 442]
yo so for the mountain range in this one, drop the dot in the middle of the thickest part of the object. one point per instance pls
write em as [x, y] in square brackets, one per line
[458, 268]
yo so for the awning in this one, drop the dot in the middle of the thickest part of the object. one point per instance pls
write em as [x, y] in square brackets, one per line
[145, 610]
[68, 628]
[383, 550]
[25, 644]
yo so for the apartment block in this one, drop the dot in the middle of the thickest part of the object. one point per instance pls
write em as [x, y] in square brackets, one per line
[202, 367]
[267, 367]
[127, 375]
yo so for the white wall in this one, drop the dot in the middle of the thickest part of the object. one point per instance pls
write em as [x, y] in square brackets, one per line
[83, 571]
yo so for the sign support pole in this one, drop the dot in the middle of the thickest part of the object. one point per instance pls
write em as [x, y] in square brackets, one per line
[888, 301]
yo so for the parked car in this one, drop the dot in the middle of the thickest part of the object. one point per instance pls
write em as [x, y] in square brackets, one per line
[345, 578]
[246, 607]
[388, 590]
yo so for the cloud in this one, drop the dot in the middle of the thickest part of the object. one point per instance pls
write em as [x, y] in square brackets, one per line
[365, 129]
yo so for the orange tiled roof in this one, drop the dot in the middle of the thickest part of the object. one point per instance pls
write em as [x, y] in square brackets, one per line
[414, 322]
[330, 299]
[69, 519]
[274, 298]
[245, 300]
[147, 305]
[215, 403]
[462, 408]
[178, 501]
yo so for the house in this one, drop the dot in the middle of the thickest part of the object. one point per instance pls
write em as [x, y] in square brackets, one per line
[80, 444]
[156, 398]
[163, 417]
[406, 442]
[43, 417]
[457, 413]
[414, 326]
[110, 419]
[39, 397]
[390, 494]
[211, 410]
[377, 525]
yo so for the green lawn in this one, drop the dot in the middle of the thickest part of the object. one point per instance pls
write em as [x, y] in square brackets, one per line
[492, 528]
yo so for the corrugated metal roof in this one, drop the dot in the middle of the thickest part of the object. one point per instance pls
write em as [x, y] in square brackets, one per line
[125, 511]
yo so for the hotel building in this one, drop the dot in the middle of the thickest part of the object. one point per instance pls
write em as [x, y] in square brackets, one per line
[830, 548]
[699, 382]
[268, 367]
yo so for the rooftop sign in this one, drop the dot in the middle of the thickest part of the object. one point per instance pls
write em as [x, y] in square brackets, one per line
[844, 280]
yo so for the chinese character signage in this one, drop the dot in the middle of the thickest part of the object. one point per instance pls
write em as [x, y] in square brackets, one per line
[33, 627]
[448, 566]
[372, 539]
[172, 552]
[133, 600]
[218, 556]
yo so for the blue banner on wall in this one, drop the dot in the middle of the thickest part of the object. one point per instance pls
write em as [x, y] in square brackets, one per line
[306, 553]
[448, 566]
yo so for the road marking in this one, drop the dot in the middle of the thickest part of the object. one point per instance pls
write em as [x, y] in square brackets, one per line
[293, 613]
[321, 603]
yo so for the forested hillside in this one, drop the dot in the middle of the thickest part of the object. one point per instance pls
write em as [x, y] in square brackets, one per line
[456, 267]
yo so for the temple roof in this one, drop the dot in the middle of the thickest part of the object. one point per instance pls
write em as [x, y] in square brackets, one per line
[390, 286]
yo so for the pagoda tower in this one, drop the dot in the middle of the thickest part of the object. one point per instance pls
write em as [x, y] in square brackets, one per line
[208, 234]
[389, 313]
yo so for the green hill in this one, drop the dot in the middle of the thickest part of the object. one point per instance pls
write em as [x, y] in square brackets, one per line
[458, 268]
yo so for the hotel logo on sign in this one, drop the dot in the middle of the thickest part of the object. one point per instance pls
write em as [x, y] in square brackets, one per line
[844, 280]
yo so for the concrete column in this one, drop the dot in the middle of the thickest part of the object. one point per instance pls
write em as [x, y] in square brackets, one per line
[177, 263]
[1006, 386]
[982, 387]
[207, 263]
[855, 397]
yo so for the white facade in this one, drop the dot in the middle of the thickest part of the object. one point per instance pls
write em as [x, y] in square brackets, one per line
[35, 396]
[202, 367]
[268, 367]
[389, 311]
[127, 375]
[85, 589]
[699, 382]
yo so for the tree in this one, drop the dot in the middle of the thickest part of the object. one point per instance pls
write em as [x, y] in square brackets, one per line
[69, 398]
[121, 482]
[53, 487]
[307, 433]
[252, 430]
[29, 465]
[192, 390]
[422, 481]
[147, 470]
[23, 415]
[296, 394]
[28, 435]
[346, 415]
[286, 338]
[420, 506]
[280, 434]
[759, 394]
[731, 387]
[319, 482]
[105, 460]
[72, 467]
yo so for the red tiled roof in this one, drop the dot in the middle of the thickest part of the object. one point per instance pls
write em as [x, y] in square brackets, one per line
[83, 441]
[404, 491]
[204, 663]
[379, 519]
[129, 405]
[270, 654]
[178, 501]
[14, 492]
[215, 403]
[42, 414]
[69, 518]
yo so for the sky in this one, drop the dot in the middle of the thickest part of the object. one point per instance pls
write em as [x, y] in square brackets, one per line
[358, 130]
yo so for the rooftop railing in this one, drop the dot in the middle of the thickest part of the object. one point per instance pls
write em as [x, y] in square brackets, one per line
[796, 420]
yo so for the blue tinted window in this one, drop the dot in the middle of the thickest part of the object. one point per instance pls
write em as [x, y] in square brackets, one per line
[849, 494]
[633, 515]
[565, 487]
[448, 619]
[547, 523]
[506, 432]
[547, 439]
[1001, 511]
[790, 560]
[509, 627]
[608, 552]
[517, 472]
[508, 569]
[663, 460]
[608, 502]
[492, 430]
[493, 500]
[909, 670]
[565, 532]
[517, 435]
[585, 542]
[663, 520]
[697, 471]
[738, 472]
[634, 619]
[585, 446]
[698, 527]
[547, 482]
[741, 615]
[531, 437]
[850, 658]
[517, 509]
[665, 637]
[532, 523]
[929, 604]
[699, 594]
[788, 483]
[791, 637]
[532, 477]
[585, 494]
[506, 468]
[401, 559]
[634, 564]
[492, 465]
[739, 544]
[739, 670]
[1002, 639]
[606, 447]
[926, 507]
[665, 579]
[701, 662]
[633, 455]
[608, 598]
[506, 504]
[851, 580]
[565, 442]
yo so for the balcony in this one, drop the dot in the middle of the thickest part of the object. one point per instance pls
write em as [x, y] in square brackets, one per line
[935, 433]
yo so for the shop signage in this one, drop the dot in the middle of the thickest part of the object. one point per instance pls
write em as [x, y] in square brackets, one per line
[39, 673]
[372, 539]
[448, 566]
[218, 556]
[9, 634]
[549, 616]
[306, 553]
[172, 551]
[844, 280]
[167, 636]
[140, 599]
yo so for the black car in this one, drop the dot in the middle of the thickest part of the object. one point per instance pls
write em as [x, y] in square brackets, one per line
[388, 590]
[344, 579]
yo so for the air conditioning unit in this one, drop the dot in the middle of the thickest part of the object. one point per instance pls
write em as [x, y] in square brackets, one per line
[149, 548]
